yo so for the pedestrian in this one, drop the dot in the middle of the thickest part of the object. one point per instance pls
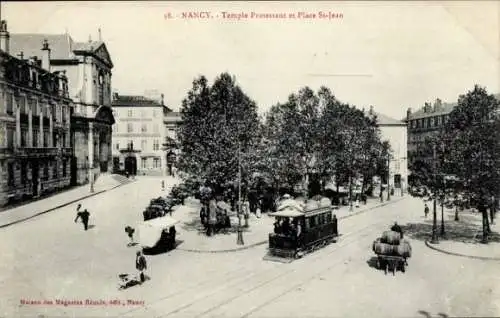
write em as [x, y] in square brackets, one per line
[335, 225]
[130, 232]
[426, 210]
[162, 185]
[84, 215]
[141, 265]
[397, 228]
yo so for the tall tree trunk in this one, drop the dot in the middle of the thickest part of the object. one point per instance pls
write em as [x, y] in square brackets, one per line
[485, 226]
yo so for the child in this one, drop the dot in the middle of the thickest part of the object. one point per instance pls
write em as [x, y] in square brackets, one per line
[130, 232]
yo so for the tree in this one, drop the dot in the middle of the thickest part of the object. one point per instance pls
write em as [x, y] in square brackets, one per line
[471, 144]
[219, 122]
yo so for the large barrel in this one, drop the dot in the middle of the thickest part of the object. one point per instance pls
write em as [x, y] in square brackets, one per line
[377, 241]
[383, 248]
[325, 202]
[312, 205]
[391, 237]
[404, 249]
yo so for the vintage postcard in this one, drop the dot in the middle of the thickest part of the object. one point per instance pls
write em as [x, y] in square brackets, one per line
[249, 159]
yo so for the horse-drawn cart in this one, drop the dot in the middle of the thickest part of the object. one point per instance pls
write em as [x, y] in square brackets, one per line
[392, 263]
[158, 233]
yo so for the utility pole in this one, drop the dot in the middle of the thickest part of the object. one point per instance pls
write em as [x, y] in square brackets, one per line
[442, 206]
[434, 239]
[240, 232]
[388, 177]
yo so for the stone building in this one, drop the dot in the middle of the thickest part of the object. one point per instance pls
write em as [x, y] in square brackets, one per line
[422, 124]
[138, 135]
[88, 69]
[170, 144]
[35, 112]
[395, 132]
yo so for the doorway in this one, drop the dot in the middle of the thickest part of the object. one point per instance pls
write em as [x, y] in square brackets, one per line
[34, 177]
[131, 165]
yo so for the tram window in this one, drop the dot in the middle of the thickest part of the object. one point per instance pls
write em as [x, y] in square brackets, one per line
[312, 221]
[329, 218]
[307, 224]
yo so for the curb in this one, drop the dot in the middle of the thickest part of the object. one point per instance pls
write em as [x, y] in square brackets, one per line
[483, 258]
[265, 241]
[63, 205]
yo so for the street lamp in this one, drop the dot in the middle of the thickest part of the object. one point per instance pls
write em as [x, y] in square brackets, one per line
[442, 206]
[434, 239]
[388, 177]
[239, 240]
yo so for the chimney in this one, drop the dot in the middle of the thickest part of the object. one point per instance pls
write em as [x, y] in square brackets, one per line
[408, 113]
[4, 37]
[46, 55]
[162, 97]
[115, 96]
[371, 110]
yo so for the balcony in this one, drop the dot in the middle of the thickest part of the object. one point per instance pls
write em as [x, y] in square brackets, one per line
[30, 151]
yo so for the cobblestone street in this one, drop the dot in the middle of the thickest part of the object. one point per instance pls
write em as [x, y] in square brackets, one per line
[70, 264]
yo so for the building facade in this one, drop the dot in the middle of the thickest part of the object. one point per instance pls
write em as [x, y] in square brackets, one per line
[35, 113]
[171, 142]
[138, 135]
[88, 69]
[423, 124]
[395, 132]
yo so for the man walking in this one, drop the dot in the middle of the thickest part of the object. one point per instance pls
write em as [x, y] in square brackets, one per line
[84, 215]
[141, 265]
[426, 210]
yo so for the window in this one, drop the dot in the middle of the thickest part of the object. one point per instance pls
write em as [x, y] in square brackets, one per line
[129, 113]
[144, 128]
[156, 162]
[64, 168]
[64, 140]
[35, 137]
[54, 170]
[154, 112]
[9, 107]
[130, 127]
[438, 121]
[117, 146]
[428, 122]
[55, 139]
[45, 172]
[144, 144]
[24, 137]
[10, 138]
[24, 173]
[144, 162]
[156, 129]
[22, 105]
[11, 181]
[46, 137]
[156, 145]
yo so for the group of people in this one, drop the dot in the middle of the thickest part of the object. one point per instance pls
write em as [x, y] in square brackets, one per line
[288, 227]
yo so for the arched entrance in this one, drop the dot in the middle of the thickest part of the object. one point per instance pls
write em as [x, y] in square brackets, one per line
[131, 165]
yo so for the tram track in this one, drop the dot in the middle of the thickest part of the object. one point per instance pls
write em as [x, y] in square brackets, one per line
[304, 265]
[264, 277]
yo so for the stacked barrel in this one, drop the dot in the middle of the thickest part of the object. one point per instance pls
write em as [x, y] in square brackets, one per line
[391, 244]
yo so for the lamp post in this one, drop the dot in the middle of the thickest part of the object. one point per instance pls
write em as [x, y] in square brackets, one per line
[388, 177]
[442, 206]
[240, 232]
[434, 239]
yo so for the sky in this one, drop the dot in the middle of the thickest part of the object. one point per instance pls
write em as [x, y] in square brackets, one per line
[392, 55]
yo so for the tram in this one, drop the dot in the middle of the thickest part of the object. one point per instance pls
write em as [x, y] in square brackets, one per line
[299, 230]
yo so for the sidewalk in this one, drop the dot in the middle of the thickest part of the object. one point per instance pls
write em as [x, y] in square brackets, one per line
[467, 242]
[193, 238]
[56, 201]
